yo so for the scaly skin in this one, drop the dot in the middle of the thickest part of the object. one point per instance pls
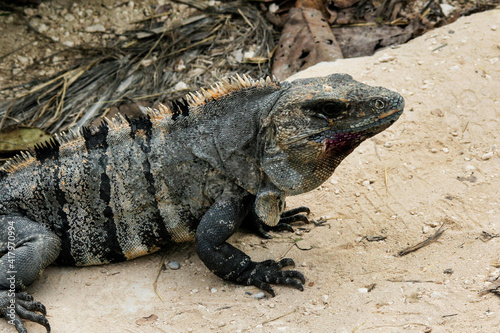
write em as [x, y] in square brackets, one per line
[191, 171]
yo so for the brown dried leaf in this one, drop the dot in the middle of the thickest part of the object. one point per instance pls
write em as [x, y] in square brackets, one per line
[365, 40]
[344, 3]
[14, 139]
[306, 40]
[146, 320]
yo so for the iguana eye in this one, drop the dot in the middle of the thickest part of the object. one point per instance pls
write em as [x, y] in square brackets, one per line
[379, 104]
[331, 109]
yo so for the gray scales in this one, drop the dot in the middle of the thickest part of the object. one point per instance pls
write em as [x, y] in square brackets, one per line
[193, 170]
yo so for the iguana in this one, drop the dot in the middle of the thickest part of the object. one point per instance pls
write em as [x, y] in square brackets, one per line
[192, 170]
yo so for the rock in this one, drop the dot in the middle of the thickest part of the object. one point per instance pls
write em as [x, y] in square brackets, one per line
[436, 294]
[446, 9]
[69, 17]
[43, 28]
[487, 156]
[23, 60]
[181, 85]
[386, 58]
[95, 28]
[259, 295]
[174, 265]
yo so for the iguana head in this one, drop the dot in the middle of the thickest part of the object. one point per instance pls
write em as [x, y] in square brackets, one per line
[317, 122]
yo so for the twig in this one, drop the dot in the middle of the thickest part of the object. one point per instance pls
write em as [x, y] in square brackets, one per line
[386, 180]
[426, 242]
[155, 283]
[440, 47]
[271, 320]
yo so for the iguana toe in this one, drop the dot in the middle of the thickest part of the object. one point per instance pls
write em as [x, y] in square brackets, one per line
[286, 218]
[22, 306]
[263, 274]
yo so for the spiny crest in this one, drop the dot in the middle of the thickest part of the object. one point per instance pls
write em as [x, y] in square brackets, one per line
[206, 95]
[95, 136]
[15, 161]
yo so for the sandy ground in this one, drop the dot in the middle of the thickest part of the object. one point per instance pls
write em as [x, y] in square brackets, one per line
[438, 164]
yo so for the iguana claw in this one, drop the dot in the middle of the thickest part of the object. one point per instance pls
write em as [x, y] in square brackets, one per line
[263, 274]
[286, 218]
[22, 306]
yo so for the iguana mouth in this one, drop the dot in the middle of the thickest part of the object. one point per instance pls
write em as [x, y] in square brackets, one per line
[388, 113]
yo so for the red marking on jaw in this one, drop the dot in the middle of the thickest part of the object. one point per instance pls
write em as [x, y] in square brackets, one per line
[340, 140]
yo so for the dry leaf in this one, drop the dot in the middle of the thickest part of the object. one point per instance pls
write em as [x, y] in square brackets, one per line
[306, 40]
[344, 3]
[14, 139]
[146, 320]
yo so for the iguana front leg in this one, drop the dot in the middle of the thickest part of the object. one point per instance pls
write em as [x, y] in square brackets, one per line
[268, 214]
[286, 218]
[26, 248]
[229, 263]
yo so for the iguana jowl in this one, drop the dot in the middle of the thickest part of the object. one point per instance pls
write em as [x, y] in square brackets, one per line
[191, 171]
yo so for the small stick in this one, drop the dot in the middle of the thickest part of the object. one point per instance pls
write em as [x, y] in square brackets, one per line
[426, 242]
[155, 283]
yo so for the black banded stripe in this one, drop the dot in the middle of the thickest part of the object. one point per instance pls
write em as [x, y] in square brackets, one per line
[148, 236]
[65, 257]
[111, 249]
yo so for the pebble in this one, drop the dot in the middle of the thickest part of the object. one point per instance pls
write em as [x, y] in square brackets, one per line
[95, 28]
[388, 144]
[248, 55]
[43, 27]
[258, 295]
[23, 60]
[470, 167]
[69, 17]
[436, 294]
[487, 156]
[446, 150]
[174, 265]
[446, 9]
[434, 150]
[363, 290]
[213, 290]
[273, 8]
[181, 85]
[386, 58]
[324, 299]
